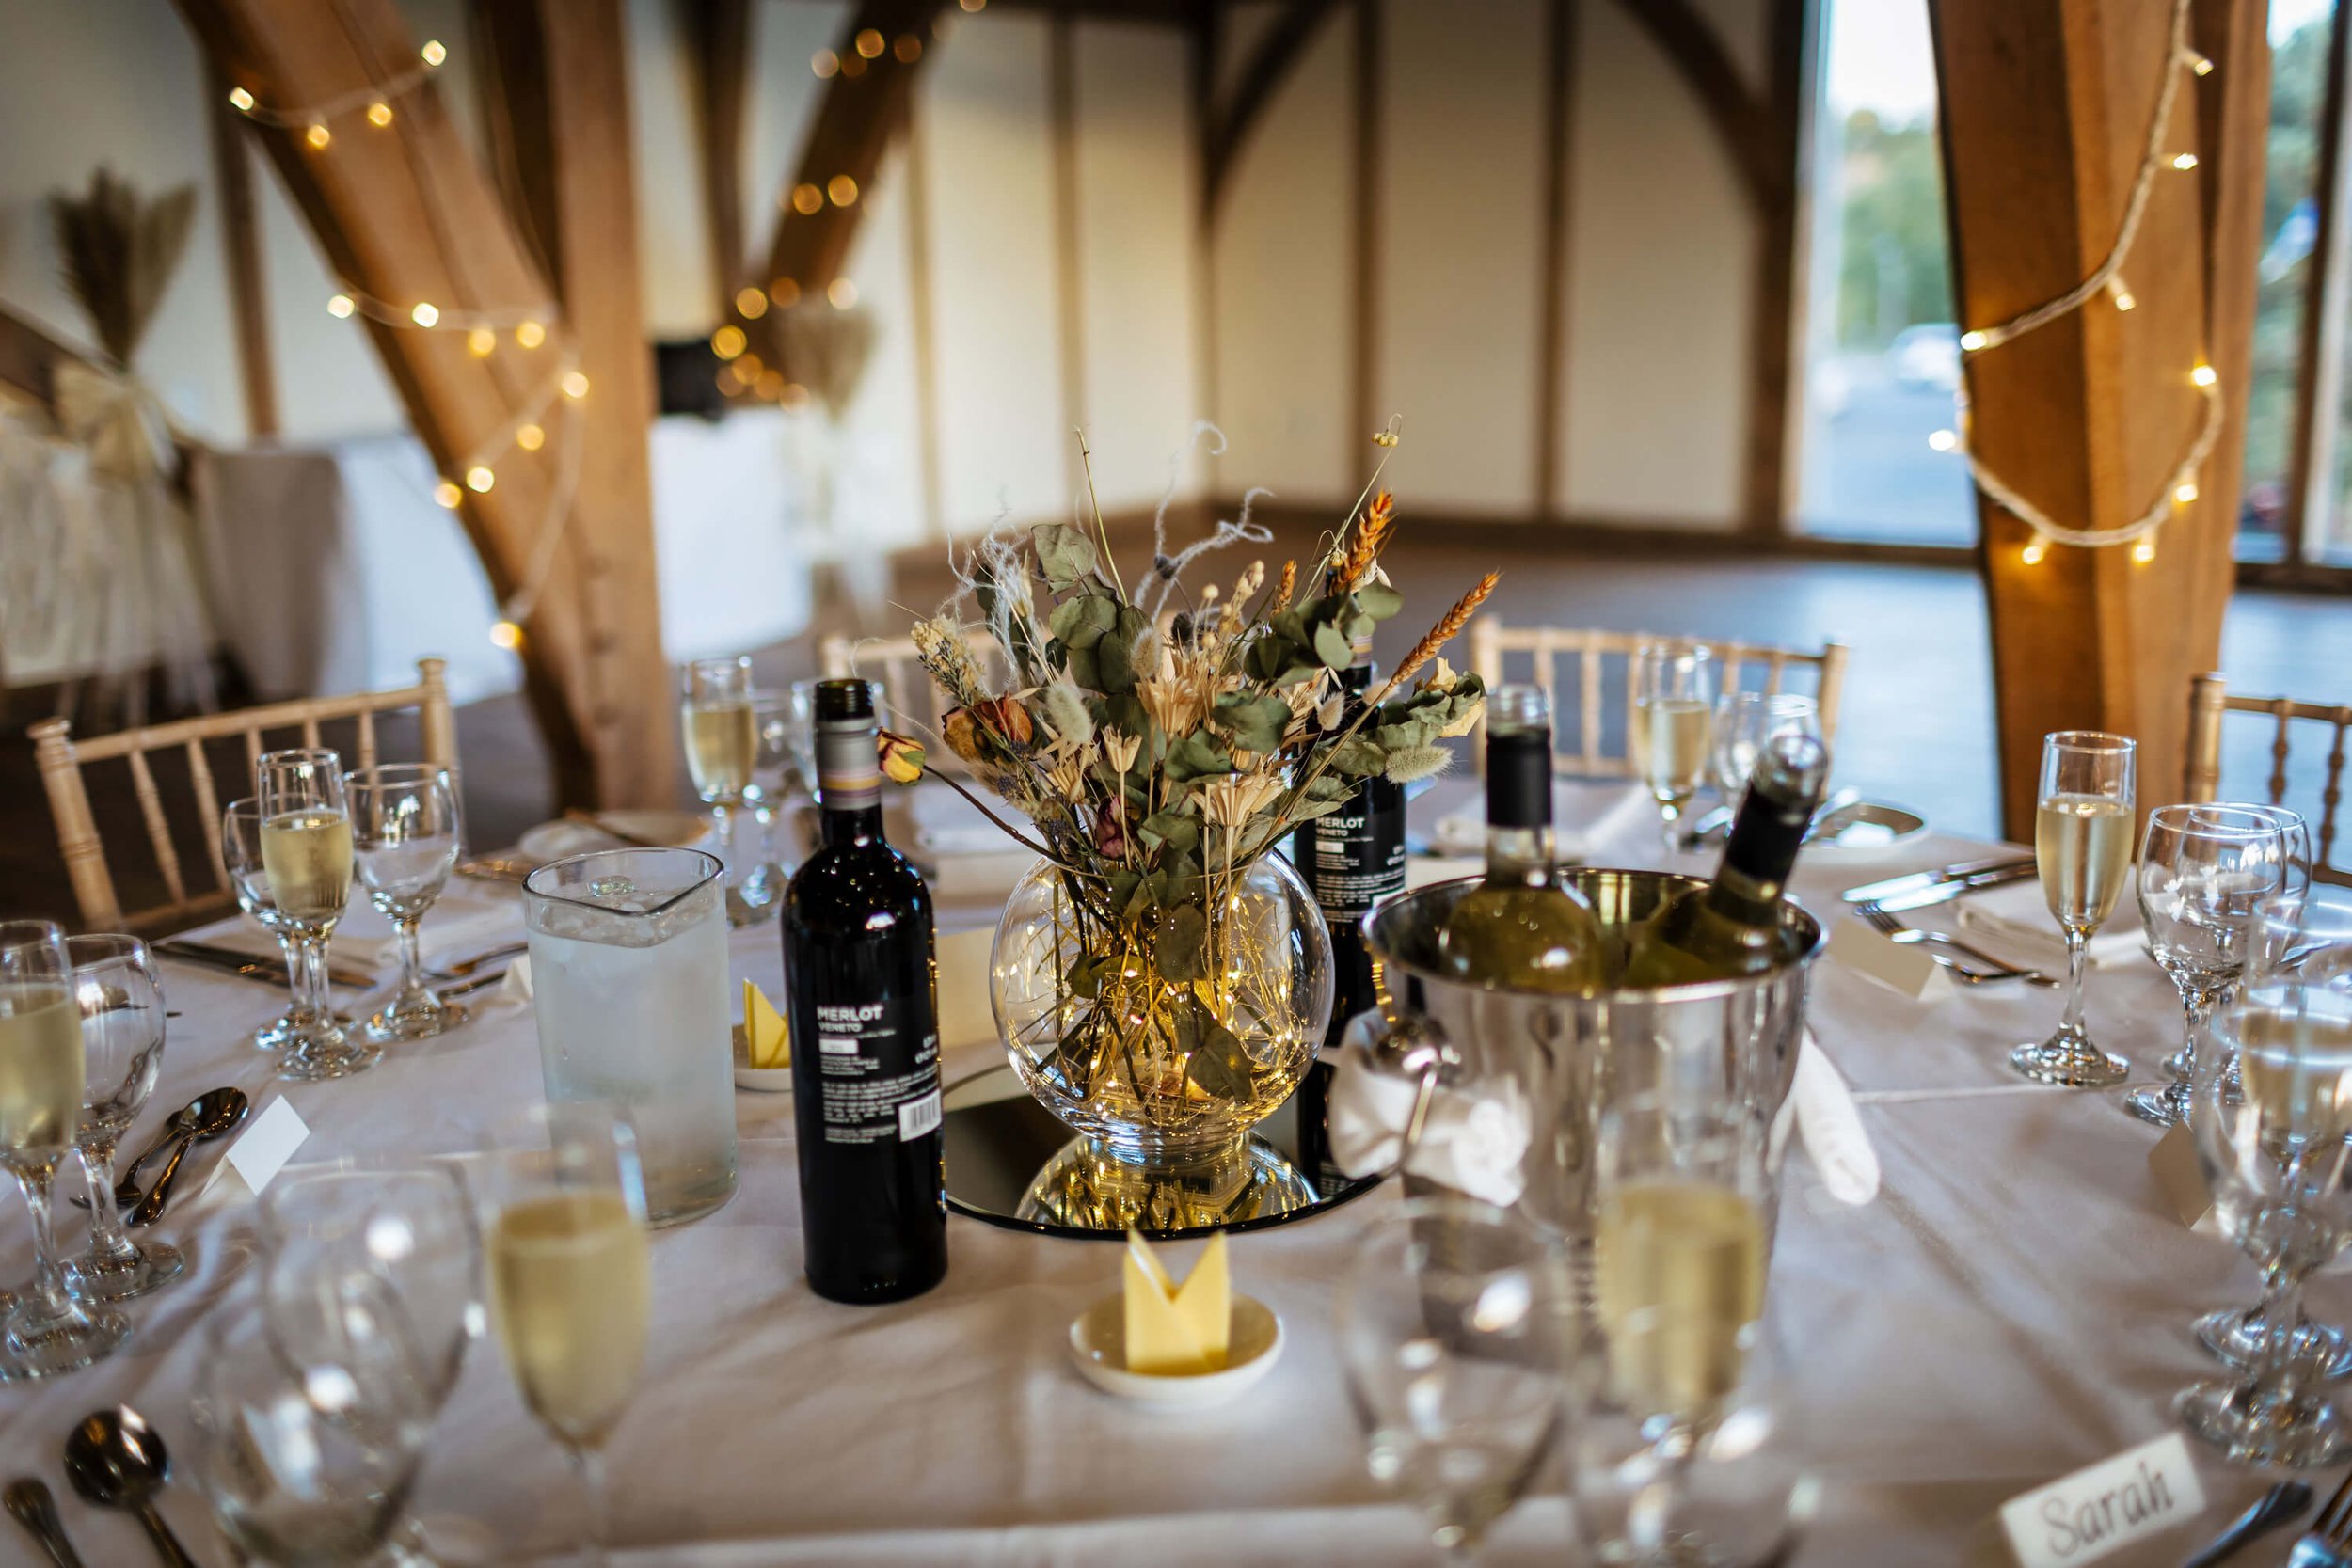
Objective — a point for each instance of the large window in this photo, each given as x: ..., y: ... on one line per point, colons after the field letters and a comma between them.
x: 1881, y: 354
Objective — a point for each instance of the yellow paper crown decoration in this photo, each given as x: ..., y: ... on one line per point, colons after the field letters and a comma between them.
x: 1177, y: 1330
x: 766, y: 1042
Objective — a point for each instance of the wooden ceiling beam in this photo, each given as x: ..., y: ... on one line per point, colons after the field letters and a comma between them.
x: 720, y: 33
x: 1279, y: 52
x: 1743, y: 118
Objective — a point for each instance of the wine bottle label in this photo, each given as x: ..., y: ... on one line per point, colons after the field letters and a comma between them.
x: 877, y: 1071
x: 849, y: 774
x: 1358, y: 857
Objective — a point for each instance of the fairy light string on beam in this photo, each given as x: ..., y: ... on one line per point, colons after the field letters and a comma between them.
x: 2180, y: 488
x: 372, y: 102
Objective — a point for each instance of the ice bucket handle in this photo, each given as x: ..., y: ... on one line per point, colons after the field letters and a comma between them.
x: 1414, y: 1048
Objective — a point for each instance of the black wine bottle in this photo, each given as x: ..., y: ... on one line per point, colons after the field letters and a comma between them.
x: 1351, y: 859
x: 1524, y: 926
x: 859, y: 979
x: 1732, y: 926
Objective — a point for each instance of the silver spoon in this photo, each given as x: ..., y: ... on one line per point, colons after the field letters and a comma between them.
x: 115, y: 1460
x: 127, y: 1190
x: 217, y: 1112
x: 30, y: 1505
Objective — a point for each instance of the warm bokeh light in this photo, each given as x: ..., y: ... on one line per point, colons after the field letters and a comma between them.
x: 482, y: 341
x: 433, y: 52
x: 852, y: 66
x: 826, y: 63
x: 2184, y: 162
x: 842, y: 293
x: 318, y: 135
x: 750, y: 368
x: 506, y: 634
x: 2123, y: 300
x: 379, y: 114
x: 425, y: 314
x: 2031, y: 555
x: 241, y: 101
x: 531, y: 437
x: 908, y: 49
x: 340, y: 306
x: 770, y: 384
x: 793, y: 395
x: 1971, y: 342
x: 842, y: 189
x: 786, y: 292
x: 479, y: 479
x: 972, y: 4
x: 2203, y: 375
x: 1943, y: 440
x: 870, y: 43
x: 751, y: 304
x: 807, y: 199
x: 727, y: 341
x: 448, y: 495
x: 531, y: 335
x: 576, y: 384
x: 2144, y: 551
x: 2184, y: 493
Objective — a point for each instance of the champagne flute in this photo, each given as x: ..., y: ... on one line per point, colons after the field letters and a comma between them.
x: 241, y: 852
x: 2083, y: 850
x: 721, y: 747
x: 47, y: 1330
x: 404, y: 842
x: 306, y: 853
x: 2277, y: 1159
x: 120, y: 1001
x: 571, y: 1285
x: 2205, y: 873
x: 1453, y: 1328
x: 1674, y: 700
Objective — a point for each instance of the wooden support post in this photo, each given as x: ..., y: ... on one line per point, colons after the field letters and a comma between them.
x: 404, y: 214
x: 721, y: 33
x: 2046, y: 106
x: 249, y: 282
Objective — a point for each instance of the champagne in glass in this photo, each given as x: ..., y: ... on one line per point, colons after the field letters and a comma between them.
x: 306, y: 855
x: 1679, y: 1270
x: 1671, y: 730
x: 41, y: 1065
x: 722, y: 727
x: 2082, y: 848
x: 571, y: 1283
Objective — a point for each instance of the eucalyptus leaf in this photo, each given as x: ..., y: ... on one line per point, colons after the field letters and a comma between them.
x: 1359, y: 756
x: 1196, y: 756
x: 1256, y: 722
x: 1219, y: 1064
x: 1332, y: 647
x: 1170, y: 827
x: 1181, y: 951
x: 1379, y: 600
x: 1065, y: 553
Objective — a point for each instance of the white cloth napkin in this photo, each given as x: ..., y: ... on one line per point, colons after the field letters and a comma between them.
x: 1580, y: 831
x: 1472, y: 1142
x: 1822, y: 1107
x: 2015, y: 923
x: 465, y: 919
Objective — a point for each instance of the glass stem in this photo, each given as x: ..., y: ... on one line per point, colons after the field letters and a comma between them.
x: 2195, y: 1012
x: 595, y: 1525
x: 108, y: 1240
x: 411, y: 955
x: 2274, y: 1374
x: 2077, y: 962
x: 49, y: 1292
x: 312, y: 998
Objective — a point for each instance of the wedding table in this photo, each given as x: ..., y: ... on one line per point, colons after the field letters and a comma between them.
x: 2014, y: 1306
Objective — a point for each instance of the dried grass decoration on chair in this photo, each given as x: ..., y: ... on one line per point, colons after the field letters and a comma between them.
x: 1160, y: 977
x: 108, y: 535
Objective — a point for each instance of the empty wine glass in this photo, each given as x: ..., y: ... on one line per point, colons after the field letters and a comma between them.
x: 122, y: 1004
x: 47, y: 1330
x: 1745, y: 721
x: 1672, y: 723
x: 2205, y: 871
x: 1682, y: 1444
x: 377, y: 1258
x: 2083, y: 850
x: 305, y: 852
x: 722, y: 746
x: 404, y: 840
x: 310, y: 1429
x: 784, y: 721
x: 1454, y: 1330
x: 571, y: 1287
x: 2277, y: 1158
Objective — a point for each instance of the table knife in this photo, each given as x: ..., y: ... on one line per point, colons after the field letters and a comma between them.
x: 1879, y: 892
x: 1938, y: 893
x: 253, y: 965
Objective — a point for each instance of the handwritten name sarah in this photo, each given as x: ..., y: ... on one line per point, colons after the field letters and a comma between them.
x: 2077, y: 1523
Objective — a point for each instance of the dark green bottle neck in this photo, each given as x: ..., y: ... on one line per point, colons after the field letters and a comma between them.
x: 858, y: 825
x: 1761, y: 852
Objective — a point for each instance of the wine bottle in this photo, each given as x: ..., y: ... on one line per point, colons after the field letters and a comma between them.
x: 1524, y: 926
x: 1351, y: 859
x: 860, y: 977
x: 1732, y: 926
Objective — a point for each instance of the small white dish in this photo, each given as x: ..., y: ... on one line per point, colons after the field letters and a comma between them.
x: 568, y: 836
x: 764, y: 1080
x: 1098, y: 1343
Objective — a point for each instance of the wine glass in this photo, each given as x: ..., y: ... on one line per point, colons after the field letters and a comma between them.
x: 381, y: 1259
x: 1453, y: 1328
x: 310, y: 1429
x: 2277, y: 1159
x: 722, y: 746
x: 2205, y: 871
x: 1681, y: 1432
x: 122, y: 1004
x: 1745, y: 721
x: 47, y: 1330
x: 1674, y: 700
x: 404, y: 842
x: 2083, y: 850
x: 306, y: 853
x: 241, y: 853
x: 785, y: 722
x: 571, y: 1286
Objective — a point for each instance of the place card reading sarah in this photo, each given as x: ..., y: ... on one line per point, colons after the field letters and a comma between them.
x: 1900, y: 967
x: 2105, y: 1507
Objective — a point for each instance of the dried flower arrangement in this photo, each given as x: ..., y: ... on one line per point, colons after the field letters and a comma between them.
x: 1160, y: 743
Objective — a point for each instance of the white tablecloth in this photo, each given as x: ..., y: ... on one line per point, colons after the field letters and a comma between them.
x: 2015, y: 1306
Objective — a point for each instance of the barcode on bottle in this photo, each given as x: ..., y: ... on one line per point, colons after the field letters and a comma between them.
x: 918, y: 1117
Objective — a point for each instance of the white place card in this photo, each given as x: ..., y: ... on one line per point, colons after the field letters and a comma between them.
x: 1907, y: 968
x: 2181, y: 1181
x: 261, y: 1151
x: 2101, y: 1509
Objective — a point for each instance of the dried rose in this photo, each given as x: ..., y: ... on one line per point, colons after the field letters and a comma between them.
x: 1110, y: 838
x: 1008, y: 719
x: 902, y: 756
x: 962, y: 734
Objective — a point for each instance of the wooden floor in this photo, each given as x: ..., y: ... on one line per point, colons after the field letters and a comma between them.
x: 1916, y: 730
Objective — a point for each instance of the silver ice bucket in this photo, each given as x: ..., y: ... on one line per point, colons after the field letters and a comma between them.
x: 1566, y: 1058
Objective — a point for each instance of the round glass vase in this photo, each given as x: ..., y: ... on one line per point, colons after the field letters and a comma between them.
x: 1165, y: 1033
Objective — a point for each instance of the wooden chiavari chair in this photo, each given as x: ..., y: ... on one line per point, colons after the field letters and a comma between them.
x: 1581, y: 701
x: 2210, y: 700
x: 64, y: 760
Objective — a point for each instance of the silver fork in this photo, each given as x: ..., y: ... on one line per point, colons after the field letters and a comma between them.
x: 2326, y: 1544
x: 464, y: 966
x: 1995, y: 969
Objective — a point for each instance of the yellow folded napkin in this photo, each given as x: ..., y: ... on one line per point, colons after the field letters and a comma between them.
x: 1177, y: 1330
x: 767, y: 1041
